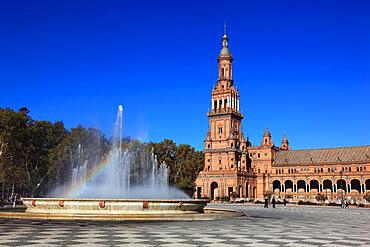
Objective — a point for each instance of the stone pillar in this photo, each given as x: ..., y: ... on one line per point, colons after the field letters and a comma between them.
x: 332, y: 188
x: 349, y: 188
x: 361, y: 188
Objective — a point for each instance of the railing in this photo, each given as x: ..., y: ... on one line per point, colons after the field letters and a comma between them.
x: 226, y: 110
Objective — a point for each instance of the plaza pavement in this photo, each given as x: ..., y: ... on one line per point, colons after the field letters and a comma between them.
x: 283, y: 226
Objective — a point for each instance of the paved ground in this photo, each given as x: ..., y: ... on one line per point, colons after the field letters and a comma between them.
x: 283, y: 226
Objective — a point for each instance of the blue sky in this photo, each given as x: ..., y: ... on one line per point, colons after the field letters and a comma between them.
x: 302, y: 67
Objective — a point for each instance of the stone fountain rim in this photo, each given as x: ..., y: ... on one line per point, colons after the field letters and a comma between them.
x: 116, y: 199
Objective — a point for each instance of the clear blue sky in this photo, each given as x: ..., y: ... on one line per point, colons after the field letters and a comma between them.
x: 302, y: 67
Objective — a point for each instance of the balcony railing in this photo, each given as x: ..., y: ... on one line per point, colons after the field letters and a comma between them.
x: 225, y: 110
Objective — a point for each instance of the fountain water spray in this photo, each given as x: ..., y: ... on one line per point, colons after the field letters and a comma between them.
x: 124, y: 173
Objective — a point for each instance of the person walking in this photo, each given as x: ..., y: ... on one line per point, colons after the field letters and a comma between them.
x: 273, y: 202
x: 266, y: 202
x: 284, y: 201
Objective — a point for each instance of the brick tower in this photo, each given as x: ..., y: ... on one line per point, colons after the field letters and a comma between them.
x: 227, y: 167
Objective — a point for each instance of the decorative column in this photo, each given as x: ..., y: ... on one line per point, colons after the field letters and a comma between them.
x: 332, y: 188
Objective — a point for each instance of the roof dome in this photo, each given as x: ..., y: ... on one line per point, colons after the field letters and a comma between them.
x: 225, y: 53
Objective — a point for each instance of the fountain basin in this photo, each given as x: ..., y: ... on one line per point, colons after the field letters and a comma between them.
x: 113, y: 206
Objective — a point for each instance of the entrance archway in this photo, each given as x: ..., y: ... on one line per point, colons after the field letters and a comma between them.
x: 328, y: 185
x: 355, y: 186
x: 276, y: 185
x: 301, y: 186
x: 247, y: 190
x: 367, y: 185
x: 342, y: 186
x: 288, y: 186
x: 314, y: 186
x: 214, y: 190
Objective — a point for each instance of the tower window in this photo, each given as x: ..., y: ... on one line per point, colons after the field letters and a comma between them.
x: 265, y: 141
x: 222, y: 72
x: 219, y: 161
x: 225, y: 103
x: 220, y: 130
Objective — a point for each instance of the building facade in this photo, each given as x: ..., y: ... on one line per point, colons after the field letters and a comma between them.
x: 234, y: 166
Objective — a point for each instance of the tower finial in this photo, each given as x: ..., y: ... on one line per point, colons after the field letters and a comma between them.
x: 225, y: 27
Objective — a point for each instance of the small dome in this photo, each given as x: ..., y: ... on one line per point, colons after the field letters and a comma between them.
x: 267, y: 133
x: 225, y: 53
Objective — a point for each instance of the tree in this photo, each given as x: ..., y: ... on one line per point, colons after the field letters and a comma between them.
x: 77, y: 146
x: 43, y: 136
x: 13, y: 139
x: 184, y: 163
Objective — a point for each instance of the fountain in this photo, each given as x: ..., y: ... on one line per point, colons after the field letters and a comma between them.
x: 116, y: 186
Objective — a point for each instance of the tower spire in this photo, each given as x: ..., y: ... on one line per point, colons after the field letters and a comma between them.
x: 225, y: 53
x: 225, y: 28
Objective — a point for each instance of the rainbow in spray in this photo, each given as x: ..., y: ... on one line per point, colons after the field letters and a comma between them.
x: 123, y: 173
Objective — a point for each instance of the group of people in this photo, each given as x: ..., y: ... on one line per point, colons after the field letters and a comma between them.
x: 11, y: 199
x: 273, y: 202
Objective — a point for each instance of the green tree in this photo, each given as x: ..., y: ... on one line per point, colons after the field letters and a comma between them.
x: 43, y: 136
x: 13, y: 138
x: 77, y: 146
x: 184, y: 163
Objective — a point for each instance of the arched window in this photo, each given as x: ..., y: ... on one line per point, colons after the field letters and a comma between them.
x: 220, y: 103
x: 222, y: 73
x: 215, y: 104
x: 225, y: 103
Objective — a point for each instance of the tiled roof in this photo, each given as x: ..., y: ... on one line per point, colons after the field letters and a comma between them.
x: 324, y: 155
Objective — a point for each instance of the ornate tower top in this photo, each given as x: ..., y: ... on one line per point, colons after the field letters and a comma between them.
x: 285, y: 143
x: 225, y: 53
x: 267, y: 139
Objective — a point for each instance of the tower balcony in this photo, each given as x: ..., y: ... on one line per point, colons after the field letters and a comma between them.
x: 222, y: 150
x: 224, y: 111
